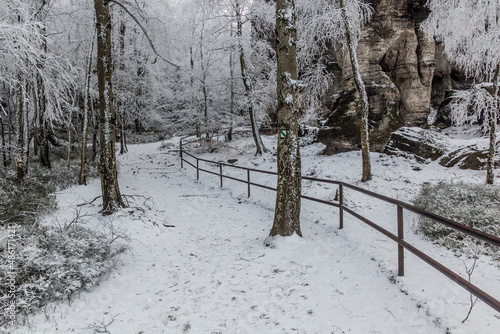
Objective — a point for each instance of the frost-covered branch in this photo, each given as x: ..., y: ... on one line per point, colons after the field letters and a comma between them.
x: 473, y: 106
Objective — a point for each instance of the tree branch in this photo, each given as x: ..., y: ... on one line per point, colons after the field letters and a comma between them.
x: 145, y: 33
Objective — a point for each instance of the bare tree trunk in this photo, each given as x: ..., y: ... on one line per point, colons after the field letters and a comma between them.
x: 231, y: 98
x: 351, y: 42
x: 20, y: 160
x: 35, y: 124
x: 204, y: 90
x: 70, y: 137
x: 121, y: 107
x: 288, y: 194
x: 42, y: 111
x: 95, y: 130
x: 247, y: 82
x: 4, y: 146
x: 82, y: 178
x: 111, y: 196
x: 10, y: 125
x: 231, y: 92
x: 191, y: 62
x: 490, y: 167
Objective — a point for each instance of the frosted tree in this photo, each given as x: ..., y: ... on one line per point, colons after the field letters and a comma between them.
x: 323, y: 23
x: 42, y: 81
x: 247, y: 80
x: 350, y: 40
x: 470, y: 31
x: 288, y: 193
x: 20, y: 35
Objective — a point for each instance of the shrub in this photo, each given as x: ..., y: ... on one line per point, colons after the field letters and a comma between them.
x: 474, y: 205
x: 44, y: 264
x: 23, y: 201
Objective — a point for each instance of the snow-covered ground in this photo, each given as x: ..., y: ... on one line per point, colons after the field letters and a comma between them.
x: 199, y: 265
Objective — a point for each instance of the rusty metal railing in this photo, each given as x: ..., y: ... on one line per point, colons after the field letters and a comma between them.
x: 401, y: 206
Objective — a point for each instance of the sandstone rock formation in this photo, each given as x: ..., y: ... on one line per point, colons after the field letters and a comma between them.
x: 420, y: 143
x: 397, y: 63
x: 426, y: 145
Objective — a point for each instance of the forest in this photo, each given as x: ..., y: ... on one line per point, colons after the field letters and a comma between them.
x: 182, y: 166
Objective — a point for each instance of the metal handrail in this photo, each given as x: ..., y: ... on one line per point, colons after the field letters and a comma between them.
x: 399, y: 238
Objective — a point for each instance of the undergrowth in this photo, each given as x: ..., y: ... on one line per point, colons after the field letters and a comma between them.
x: 41, y: 264
x: 44, y: 260
x: 474, y: 205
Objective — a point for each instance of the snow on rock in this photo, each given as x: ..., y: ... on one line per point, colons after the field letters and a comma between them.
x: 213, y: 273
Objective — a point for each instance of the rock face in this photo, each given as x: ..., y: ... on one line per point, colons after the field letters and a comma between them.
x: 397, y: 63
x: 468, y: 157
x: 420, y: 143
x: 426, y: 145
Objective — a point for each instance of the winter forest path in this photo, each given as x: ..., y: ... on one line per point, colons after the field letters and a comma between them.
x: 212, y: 273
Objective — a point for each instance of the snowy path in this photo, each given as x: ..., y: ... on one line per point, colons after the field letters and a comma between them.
x: 212, y: 273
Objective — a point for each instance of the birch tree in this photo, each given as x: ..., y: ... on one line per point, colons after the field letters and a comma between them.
x: 470, y: 31
x: 247, y: 80
x: 350, y: 40
x: 324, y: 23
x: 288, y: 194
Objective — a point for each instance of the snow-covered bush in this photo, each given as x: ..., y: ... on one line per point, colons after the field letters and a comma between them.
x: 49, y: 263
x: 474, y: 205
x: 24, y: 201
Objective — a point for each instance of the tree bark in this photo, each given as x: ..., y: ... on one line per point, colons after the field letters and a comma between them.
x: 351, y: 43
x: 197, y: 116
x: 4, y: 146
x: 231, y: 93
x: 111, y: 196
x: 490, y: 165
x: 288, y: 194
x: 82, y: 178
x: 120, y: 104
x: 20, y: 154
x: 204, y: 89
x: 247, y: 82
x: 70, y: 137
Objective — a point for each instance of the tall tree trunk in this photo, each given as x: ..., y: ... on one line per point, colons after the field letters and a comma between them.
x: 247, y: 82
x: 490, y: 167
x: 4, y: 146
x: 20, y: 153
x: 36, y: 142
x: 42, y: 112
x: 95, y: 130
x: 191, y: 61
x: 82, y: 178
x: 204, y: 91
x: 121, y: 106
x: 288, y: 194
x: 351, y: 42
x: 70, y: 137
x: 231, y: 91
x: 231, y: 97
x: 10, y: 126
x: 111, y: 196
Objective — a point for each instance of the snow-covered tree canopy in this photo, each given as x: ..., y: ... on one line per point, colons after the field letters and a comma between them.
x: 473, y: 106
x: 470, y: 31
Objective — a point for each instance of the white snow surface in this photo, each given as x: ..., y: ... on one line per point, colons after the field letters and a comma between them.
x: 211, y: 273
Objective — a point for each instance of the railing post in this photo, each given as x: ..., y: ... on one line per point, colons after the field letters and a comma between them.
x: 401, y: 249
x: 197, y: 169
x: 220, y: 168
x: 248, y: 182
x: 341, y: 208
